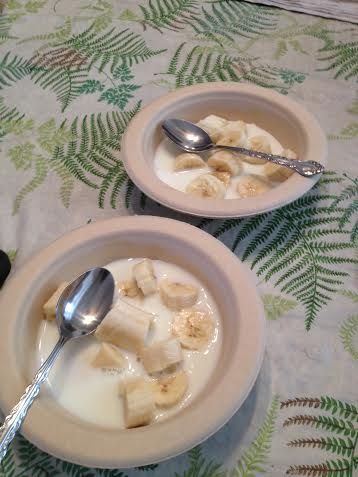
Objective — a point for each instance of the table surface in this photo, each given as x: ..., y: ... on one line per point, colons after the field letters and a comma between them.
x: 72, y: 74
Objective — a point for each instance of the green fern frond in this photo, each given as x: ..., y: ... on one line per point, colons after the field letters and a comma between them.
x: 112, y: 47
x: 335, y: 406
x: 255, y: 457
x: 65, y: 83
x: 67, y: 182
x: 299, y: 245
x: 336, y: 445
x: 331, y: 424
x: 167, y: 14
x: 348, y: 331
x: 8, y: 464
x: 7, y: 114
x: 198, y: 466
x: 343, y: 58
x: 129, y: 193
x: 348, y: 132
x: 227, y: 20
x: 344, y: 425
x: 60, y: 33
x: 198, y: 66
x: 91, y: 155
x: 276, y: 306
x: 13, y: 68
x: 144, y: 468
x: 329, y: 177
x: 350, y: 294
x: 41, y: 170
x: 281, y: 49
x: 104, y: 473
x: 339, y: 468
x: 349, y: 193
x: 11, y: 120
x: 5, y: 27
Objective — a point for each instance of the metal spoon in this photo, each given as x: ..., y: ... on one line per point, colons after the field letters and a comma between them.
x: 192, y: 138
x: 81, y: 308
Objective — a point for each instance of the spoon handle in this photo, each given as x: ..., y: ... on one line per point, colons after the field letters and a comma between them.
x: 305, y: 168
x: 18, y: 413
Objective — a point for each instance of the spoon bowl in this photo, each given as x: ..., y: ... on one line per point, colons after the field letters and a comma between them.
x: 81, y: 308
x: 84, y: 303
x: 187, y: 135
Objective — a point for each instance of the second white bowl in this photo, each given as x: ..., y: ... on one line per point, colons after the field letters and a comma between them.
x: 286, y: 120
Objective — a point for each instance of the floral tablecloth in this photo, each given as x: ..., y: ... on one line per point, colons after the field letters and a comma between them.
x: 73, y: 74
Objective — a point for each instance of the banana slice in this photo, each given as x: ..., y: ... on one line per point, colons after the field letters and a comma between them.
x: 257, y: 143
x: 206, y: 186
x: 49, y: 308
x: 250, y: 186
x: 177, y: 295
x: 213, y: 125
x: 108, y: 356
x: 279, y: 173
x: 138, y: 402
x: 125, y: 326
x: 170, y: 390
x: 225, y: 161
x: 161, y: 355
x: 129, y: 288
x: 235, y: 126
x: 188, y: 161
x: 224, y: 177
x: 194, y: 328
x: 234, y: 138
x: 144, y: 275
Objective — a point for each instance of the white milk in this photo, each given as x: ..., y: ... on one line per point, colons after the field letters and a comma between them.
x: 93, y: 394
x: 166, y: 153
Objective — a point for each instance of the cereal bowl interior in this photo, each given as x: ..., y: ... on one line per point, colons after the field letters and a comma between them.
x: 149, y: 158
x: 77, y: 427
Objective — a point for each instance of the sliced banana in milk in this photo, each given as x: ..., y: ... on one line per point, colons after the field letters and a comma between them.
x: 161, y: 355
x: 129, y: 288
x: 188, y: 161
x: 125, y: 326
x: 138, y: 402
x: 225, y: 161
x: 170, y: 390
x: 109, y: 356
x: 176, y: 295
x: 144, y: 275
x: 49, y: 308
x: 224, y: 177
x: 213, y: 125
x: 206, y: 186
x: 194, y: 328
x: 251, y: 186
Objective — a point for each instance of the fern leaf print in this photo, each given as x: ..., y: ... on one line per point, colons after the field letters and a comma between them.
x: 163, y: 15
x: 301, y: 247
x: 340, y: 422
x: 194, y: 66
x: 225, y: 20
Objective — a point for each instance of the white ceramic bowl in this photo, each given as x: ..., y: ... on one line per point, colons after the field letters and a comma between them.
x: 285, y: 119
x: 51, y: 427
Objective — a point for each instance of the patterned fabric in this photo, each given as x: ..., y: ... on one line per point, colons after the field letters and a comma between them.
x: 73, y: 74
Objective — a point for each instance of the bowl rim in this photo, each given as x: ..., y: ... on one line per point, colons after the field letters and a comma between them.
x: 144, y: 177
x: 95, y: 447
